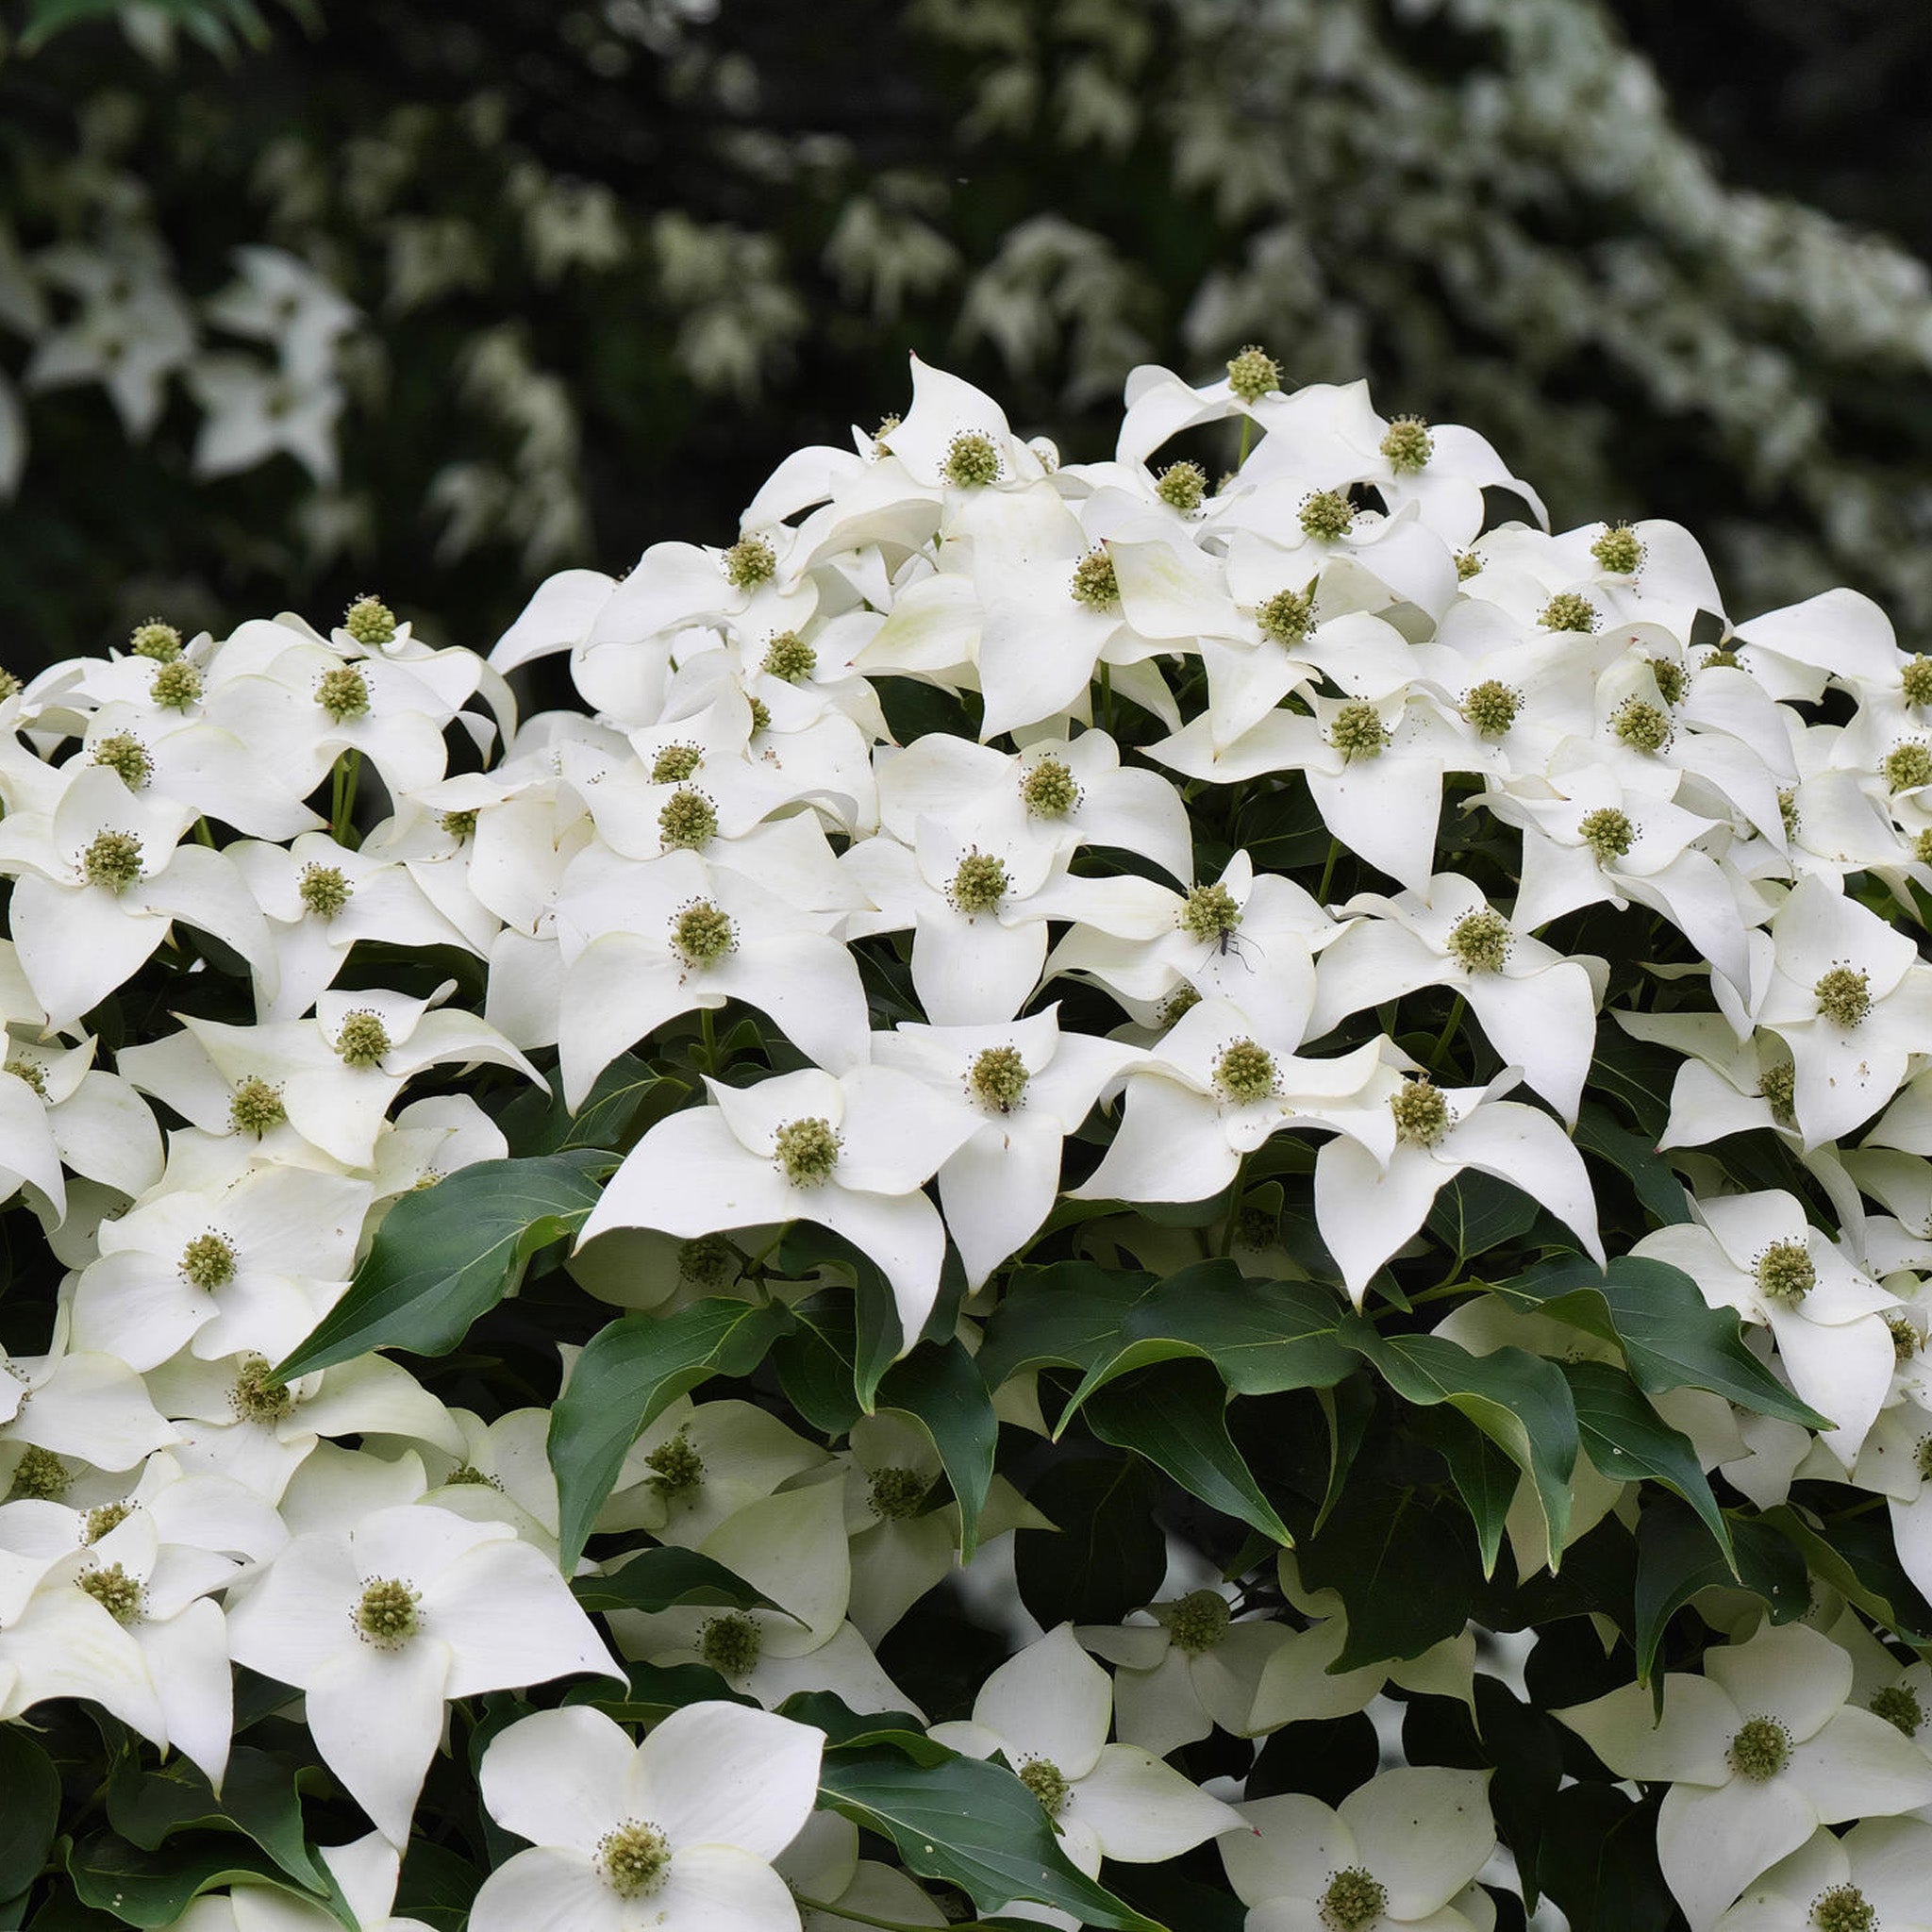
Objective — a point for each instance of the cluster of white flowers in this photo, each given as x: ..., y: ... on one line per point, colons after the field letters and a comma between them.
x: 1341, y: 628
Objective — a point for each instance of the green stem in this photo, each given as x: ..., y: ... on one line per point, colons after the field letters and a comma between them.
x: 342, y: 808
x: 1234, y: 1212
x: 1328, y: 871
x: 1107, y: 698
x: 710, y: 1039
x: 1247, y: 430
x: 1447, y: 1034
x: 203, y: 835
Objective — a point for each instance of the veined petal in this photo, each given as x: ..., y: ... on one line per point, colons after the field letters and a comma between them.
x: 377, y: 1716
x: 721, y: 1775
x: 1366, y: 1211
x: 691, y: 1175
x: 558, y: 1777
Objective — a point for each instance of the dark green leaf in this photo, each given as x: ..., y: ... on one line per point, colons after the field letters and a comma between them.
x: 1347, y: 1409
x: 140, y: 1888
x: 659, y: 1579
x: 1517, y: 1400
x: 878, y: 1339
x: 436, y: 1886
x: 1406, y: 1576
x: 1477, y: 1212
x: 654, y: 1690
x: 1655, y: 1180
x: 446, y: 1255
x: 1177, y: 1417
x: 1676, y: 1557
x: 817, y: 1363
x: 1109, y: 1555
x: 1856, y: 1556
x: 970, y: 1824
x: 1629, y: 1441
x: 536, y: 1122
x: 1485, y: 1478
x: 940, y: 1387
x: 1597, y: 1860
x: 1671, y: 1336
x: 628, y: 1374
x: 847, y: 1729
x: 30, y: 1809
x: 1262, y: 1337
x: 258, y: 1797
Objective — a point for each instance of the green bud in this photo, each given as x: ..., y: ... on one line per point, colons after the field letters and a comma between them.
x: 731, y: 1645
x: 675, y: 763
x: 1209, y: 912
x: 972, y: 462
x: 1252, y: 374
x: 1245, y: 1072
x: 1421, y: 1110
x: 1569, y: 610
x: 677, y: 1468
x: 32, y: 1073
x: 707, y: 1261
x: 40, y: 1475
x: 1182, y: 487
x: 387, y: 1616
x: 120, y: 1595
x: 1048, y: 790
x: 1608, y: 832
x: 1095, y: 583
x: 113, y: 859
x: 1287, y: 616
x: 260, y: 1395
x: 155, y: 639
x: 1844, y: 996
x: 1468, y: 564
x: 460, y: 825
x: 363, y: 1040
x: 175, y: 685
x: 1908, y: 766
x: 1915, y: 680
x: 1048, y: 1783
x: 1354, y: 1901
x: 634, y: 1859
x: 1327, y: 516
x: 1619, y: 550
x: 1786, y: 1273
x: 370, y: 621
x: 1491, y: 707
x: 1641, y: 725
x: 343, y: 694
x: 1356, y: 730
x: 998, y: 1078
x: 806, y: 1151
x: 127, y: 757
x: 1479, y: 941
x: 1760, y: 1750
x: 103, y: 1518
x: 1198, y: 1621
x: 688, y: 821
x: 1777, y: 1086
x: 257, y: 1106
x: 702, y: 934
x: 897, y: 1494
x: 750, y: 563
x: 1899, y: 1706
x: 325, y: 890
x: 1408, y: 444
x: 788, y: 658
x: 207, y: 1261
x: 1843, y: 1908
x: 979, y: 884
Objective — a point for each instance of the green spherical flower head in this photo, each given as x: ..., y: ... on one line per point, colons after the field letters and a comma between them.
x: 702, y: 934
x: 1608, y: 832
x: 1569, y: 610
x: 1722, y: 659
x: 32, y: 1073
x: 898, y: 1493
x: 40, y: 1475
x: 688, y: 820
x: 1182, y: 487
x: 1479, y: 941
x: 675, y: 763
x: 707, y: 1261
x: 1915, y: 680
x: 1049, y: 790
x: 1468, y: 564
x: 1641, y: 726
x: 1907, y: 766
x: 731, y: 1644
x: 207, y: 1262
x: 1423, y: 1114
x: 972, y: 461
x: 1356, y: 730
x: 103, y: 1518
x: 749, y: 562
x: 1245, y: 1072
x: 257, y: 1106
x: 1252, y: 374
x: 887, y: 423
x: 1672, y: 679
x: 677, y: 1468
x: 460, y: 825
x: 363, y: 1040
x: 1048, y: 1783
x: 806, y: 1151
x: 1408, y: 444
x: 325, y: 890
x: 1094, y: 582
x: 1255, y: 1228
x: 113, y: 859
x: 788, y: 658
x: 1922, y: 1456
x: 1843, y: 1908
x: 1906, y: 1340
x: 175, y: 685
x: 118, y: 1593
x: 1491, y: 707
x: 370, y: 621
x: 1354, y: 1901
x: 387, y: 1615
x: 998, y: 1078
x: 9, y: 686
x: 1777, y: 1086
x: 1844, y: 996
x: 155, y: 639
x: 1183, y: 999
x: 1899, y: 1706
x: 1199, y: 1622
x: 260, y: 1395
x: 1327, y: 516
x: 466, y: 1476
x: 634, y: 1859
x: 760, y: 716
x: 1785, y: 1272
x: 1209, y: 912
x: 1922, y: 848
x: 1618, y: 550
x: 127, y: 757
x: 343, y: 694
x: 1787, y: 813
x: 979, y: 884
x: 1287, y: 616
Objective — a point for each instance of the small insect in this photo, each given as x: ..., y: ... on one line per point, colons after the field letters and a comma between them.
x: 1230, y: 945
